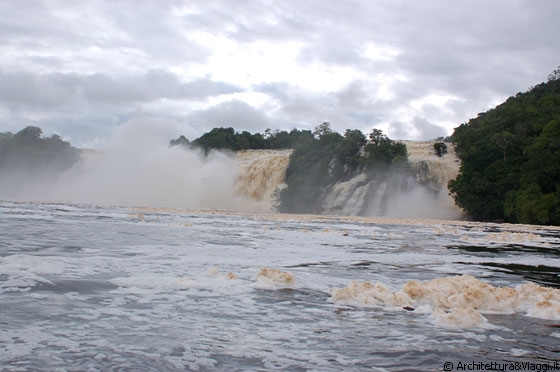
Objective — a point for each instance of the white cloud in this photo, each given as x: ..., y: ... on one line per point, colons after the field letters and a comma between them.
x: 380, y: 52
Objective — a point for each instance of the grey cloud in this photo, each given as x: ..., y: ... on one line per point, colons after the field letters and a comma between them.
x: 252, y: 20
x: 427, y: 130
x: 334, y: 49
x: 446, y: 47
x: 353, y: 107
x: 62, y: 60
x: 355, y: 96
x: 23, y: 89
x: 397, y: 130
x: 459, y: 49
x: 236, y: 114
x: 320, y: 25
x: 86, y: 108
x: 141, y: 34
x: 419, y: 129
x: 25, y: 20
x: 162, y: 84
x: 152, y: 28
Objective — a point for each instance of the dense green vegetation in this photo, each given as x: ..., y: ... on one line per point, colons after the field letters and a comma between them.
x: 28, y: 151
x: 228, y: 139
x: 510, y: 159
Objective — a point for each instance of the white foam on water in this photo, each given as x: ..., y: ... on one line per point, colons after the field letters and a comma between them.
x: 530, y: 239
x: 22, y: 263
x: 274, y: 279
x: 539, y: 302
x: 213, y: 271
x: 158, y: 282
x: 369, y: 295
x: 25, y: 272
x: 20, y: 284
x: 462, y: 291
x: 518, y: 352
x: 460, y: 317
x: 457, y: 302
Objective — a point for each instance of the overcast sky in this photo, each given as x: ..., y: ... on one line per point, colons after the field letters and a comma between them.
x: 415, y: 69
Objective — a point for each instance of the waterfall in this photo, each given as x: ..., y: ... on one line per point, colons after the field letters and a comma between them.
x: 435, y: 172
x: 429, y: 168
x: 261, y: 173
x: 423, y: 194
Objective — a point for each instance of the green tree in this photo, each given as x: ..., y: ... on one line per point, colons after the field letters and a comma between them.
x: 323, y: 129
x: 377, y: 137
x: 554, y: 75
x: 217, y: 138
x: 510, y: 159
x: 28, y: 153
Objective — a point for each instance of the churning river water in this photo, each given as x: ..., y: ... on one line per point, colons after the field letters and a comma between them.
x: 85, y: 288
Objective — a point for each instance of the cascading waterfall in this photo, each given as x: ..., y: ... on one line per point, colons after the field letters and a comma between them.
x: 422, y: 195
x: 429, y: 168
x: 261, y: 173
x: 425, y: 195
x: 435, y: 172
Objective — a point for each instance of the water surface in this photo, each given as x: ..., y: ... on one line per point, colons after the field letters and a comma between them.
x: 107, y: 288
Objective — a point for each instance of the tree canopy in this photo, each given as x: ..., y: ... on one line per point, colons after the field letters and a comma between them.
x: 228, y: 139
x: 510, y: 159
x: 27, y: 150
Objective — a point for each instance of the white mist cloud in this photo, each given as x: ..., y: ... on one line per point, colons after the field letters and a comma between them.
x: 159, y: 177
x: 401, y: 196
x: 421, y: 203
x: 139, y: 169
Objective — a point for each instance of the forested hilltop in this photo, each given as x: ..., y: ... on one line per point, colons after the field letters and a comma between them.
x: 28, y: 152
x: 510, y: 159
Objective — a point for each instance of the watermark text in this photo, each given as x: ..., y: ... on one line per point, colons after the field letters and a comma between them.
x: 501, y: 366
